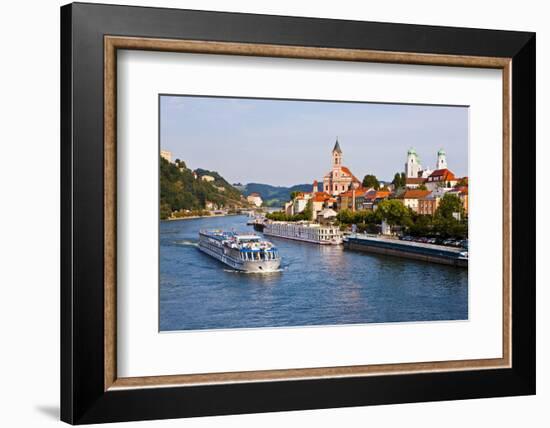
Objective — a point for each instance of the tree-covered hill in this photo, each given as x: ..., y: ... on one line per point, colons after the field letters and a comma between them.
x: 180, y: 190
x: 274, y: 195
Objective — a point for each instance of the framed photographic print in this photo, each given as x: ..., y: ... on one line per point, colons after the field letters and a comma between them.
x: 266, y: 213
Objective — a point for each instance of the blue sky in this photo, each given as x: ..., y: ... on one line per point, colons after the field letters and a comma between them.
x: 282, y: 142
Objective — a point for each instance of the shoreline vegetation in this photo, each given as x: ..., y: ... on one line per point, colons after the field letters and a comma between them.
x: 184, y: 192
x: 205, y: 214
x: 443, y: 224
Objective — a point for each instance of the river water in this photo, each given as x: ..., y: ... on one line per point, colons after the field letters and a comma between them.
x: 317, y: 285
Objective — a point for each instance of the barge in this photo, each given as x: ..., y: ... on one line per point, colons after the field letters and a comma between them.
x: 304, y: 231
x: 411, y: 250
x: 243, y: 252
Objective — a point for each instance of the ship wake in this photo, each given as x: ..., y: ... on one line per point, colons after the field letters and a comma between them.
x: 186, y: 243
x: 265, y: 272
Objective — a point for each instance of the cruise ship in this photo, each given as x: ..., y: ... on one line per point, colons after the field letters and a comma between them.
x: 304, y: 231
x: 243, y: 252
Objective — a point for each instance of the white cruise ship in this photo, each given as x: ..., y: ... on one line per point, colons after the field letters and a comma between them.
x: 246, y: 253
x: 304, y: 231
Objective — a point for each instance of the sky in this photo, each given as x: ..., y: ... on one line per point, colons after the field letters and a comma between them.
x: 287, y: 142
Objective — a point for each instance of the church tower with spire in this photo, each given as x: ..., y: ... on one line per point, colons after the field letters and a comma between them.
x: 339, y: 179
x: 336, y: 155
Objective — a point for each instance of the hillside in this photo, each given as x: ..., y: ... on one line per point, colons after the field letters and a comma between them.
x: 180, y: 190
x: 273, y: 195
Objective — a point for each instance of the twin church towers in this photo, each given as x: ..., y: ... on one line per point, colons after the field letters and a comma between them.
x: 340, y: 179
x: 413, y: 167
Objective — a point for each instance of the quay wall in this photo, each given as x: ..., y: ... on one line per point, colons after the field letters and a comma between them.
x: 409, y: 252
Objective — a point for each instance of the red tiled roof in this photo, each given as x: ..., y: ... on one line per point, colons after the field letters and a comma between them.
x: 321, y: 197
x: 347, y: 171
x: 415, y: 194
x: 461, y: 189
x: 377, y: 194
x: 444, y: 173
x: 415, y: 180
x: 360, y: 191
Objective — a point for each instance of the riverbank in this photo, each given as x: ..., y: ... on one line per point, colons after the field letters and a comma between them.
x: 200, y: 216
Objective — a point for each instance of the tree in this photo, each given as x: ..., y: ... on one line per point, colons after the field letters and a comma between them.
x: 345, y: 216
x: 294, y: 194
x: 422, y: 226
x: 462, y: 182
x: 371, y: 181
x: 422, y: 187
x: 393, y: 212
x: 399, y: 180
x: 448, y: 207
x: 308, y: 210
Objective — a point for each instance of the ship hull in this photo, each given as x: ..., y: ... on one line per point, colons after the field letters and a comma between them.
x: 314, y: 234
x: 301, y: 239
x: 424, y: 252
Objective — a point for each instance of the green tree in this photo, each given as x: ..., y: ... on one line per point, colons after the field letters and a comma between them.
x: 422, y: 226
x: 449, y: 206
x: 393, y: 212
x: 180, y: 191
x: 462, y: 182
x: 308, y: 210
x: 422, y: 187
x: 399, y: 180
x: 294, y: 194
x: 371, y: 181
x: 345, y: 216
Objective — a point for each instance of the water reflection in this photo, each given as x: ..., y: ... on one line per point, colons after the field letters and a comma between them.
x: 317, y: 285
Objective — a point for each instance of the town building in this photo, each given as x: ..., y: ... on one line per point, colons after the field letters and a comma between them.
x: 300, y: 202
x: 255, y: 198
x: 339, y: 179
x: 289, y: 208
x: 319, y: 201
x: 353, y: 199
x: 207, y: 178
x: 165, y: 154
x: 410, y: 198
x: 462, y: 193
x: 441, y: 178
x: 326, y: 215
x: 373, y: 198
x: 414, y: 182
x: 429, y: 204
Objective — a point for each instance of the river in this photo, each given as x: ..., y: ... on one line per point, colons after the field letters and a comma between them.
x: 317, y: 285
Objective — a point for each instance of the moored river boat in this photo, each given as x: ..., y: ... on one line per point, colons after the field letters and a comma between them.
x: 314, y: 233
x: 410, y: 250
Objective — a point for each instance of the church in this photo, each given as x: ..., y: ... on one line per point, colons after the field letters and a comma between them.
x: 339, y: 179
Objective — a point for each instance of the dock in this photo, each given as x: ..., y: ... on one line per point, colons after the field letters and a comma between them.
x: 410, y: 250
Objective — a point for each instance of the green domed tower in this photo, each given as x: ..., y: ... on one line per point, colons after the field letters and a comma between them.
x: 413, y: 166
x: 441, y: 159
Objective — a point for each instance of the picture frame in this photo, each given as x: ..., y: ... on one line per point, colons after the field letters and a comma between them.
x: 91, y: 391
